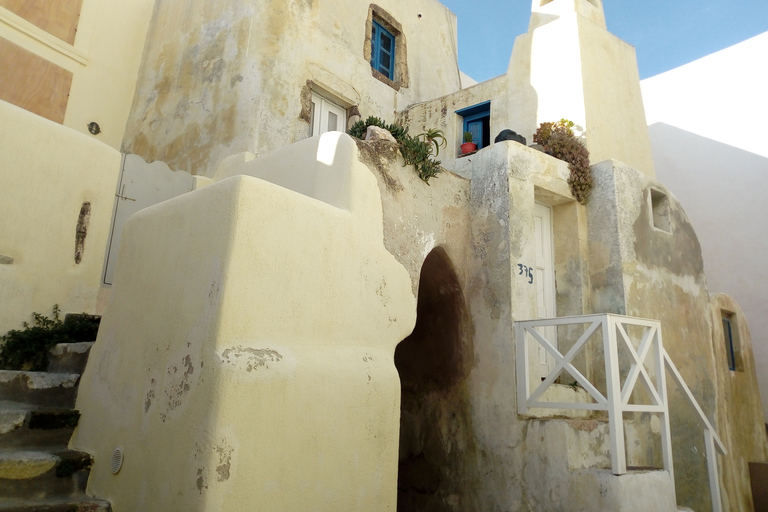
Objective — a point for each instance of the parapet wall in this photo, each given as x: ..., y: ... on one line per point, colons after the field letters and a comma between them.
x: 48, y: 173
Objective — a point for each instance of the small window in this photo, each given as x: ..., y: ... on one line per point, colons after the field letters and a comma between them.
x: 383, y: 50
x: 477, y: 120
x: 660, y: 210
x: 732, y: 342
x: 326, y: 116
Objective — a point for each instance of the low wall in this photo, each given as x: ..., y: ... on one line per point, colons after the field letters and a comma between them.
x: 246, y: 354
x: 48, y: 172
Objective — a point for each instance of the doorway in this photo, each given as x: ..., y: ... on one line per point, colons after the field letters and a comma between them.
x: 433, y: 363
x: 544, y: 279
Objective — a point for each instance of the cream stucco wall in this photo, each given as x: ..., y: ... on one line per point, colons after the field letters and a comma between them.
x: 104, y: 60
x: 739, y: 412
x: 569, y: 66
x: 246, y: 353
x: 48, y: 171
x: 709, y: 147
x: 210, y: 92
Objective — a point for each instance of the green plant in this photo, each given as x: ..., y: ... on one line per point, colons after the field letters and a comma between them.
x: 467, y: 137
x: 27, y: 349
x: 416, y: 151
x: 559, y: 140
x: 432, y: 136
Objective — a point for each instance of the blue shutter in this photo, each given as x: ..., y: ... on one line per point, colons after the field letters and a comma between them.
x: 382, y: 51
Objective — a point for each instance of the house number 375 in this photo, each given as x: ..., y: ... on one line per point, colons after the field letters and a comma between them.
x: 528, y: 271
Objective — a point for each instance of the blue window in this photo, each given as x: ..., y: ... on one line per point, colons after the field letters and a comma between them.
x: 477, y: 120
x: 731, y: 343
x: 383, y: 51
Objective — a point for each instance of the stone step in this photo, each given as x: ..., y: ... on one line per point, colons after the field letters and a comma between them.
x: 33, y: 427
x: 39, y: 388
x: 69, y: 357
x: 35, y: 475
x: 83, y: 504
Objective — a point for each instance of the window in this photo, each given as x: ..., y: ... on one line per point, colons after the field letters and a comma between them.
x: 660, y: 210
x: 385, y: 48
x: 477, y: 120
x: 731, y: 338
x: 382, y: 50
x: 326, y: 116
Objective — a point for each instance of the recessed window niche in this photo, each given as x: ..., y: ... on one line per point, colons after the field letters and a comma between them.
x: 660, y: 210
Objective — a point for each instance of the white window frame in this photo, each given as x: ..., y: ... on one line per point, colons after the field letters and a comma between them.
x: 323, y: 114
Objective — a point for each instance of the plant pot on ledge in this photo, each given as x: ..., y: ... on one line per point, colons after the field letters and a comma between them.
x: 468, y: 145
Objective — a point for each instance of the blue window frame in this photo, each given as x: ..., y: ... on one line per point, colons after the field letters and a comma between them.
x: 383, y: 51
x: 477, y: 120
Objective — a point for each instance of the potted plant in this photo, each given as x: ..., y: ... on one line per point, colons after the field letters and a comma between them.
x: 468, y: 145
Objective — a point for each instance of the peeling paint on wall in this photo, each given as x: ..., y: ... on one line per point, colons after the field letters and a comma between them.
x: 82, y: 231
x: 250, y: 359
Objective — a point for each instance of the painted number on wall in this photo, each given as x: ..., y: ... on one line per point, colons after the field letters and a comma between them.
x: 528, y: 271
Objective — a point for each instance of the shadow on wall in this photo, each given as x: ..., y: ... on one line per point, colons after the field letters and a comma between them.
x: 433, y: 362
x: 723, y: 190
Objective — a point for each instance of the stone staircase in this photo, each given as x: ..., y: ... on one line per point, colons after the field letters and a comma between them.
x: 38, y: 472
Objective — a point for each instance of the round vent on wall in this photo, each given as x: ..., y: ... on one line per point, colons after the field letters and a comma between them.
x: 117, y: 460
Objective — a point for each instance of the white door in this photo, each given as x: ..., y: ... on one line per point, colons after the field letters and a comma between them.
x: 141, y: 185
x: 326, y: 116
x: 544, y: 280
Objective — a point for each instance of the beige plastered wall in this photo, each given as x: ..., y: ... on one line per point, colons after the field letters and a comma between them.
x: 246, y: 355
x: 569, y: 66
x: 104, y: 60
x: 441, y: 114
x: 48, y: 171
x: 238, y: 75
x: 739, y: 412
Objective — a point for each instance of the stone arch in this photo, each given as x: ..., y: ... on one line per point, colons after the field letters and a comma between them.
x: 434, y: 362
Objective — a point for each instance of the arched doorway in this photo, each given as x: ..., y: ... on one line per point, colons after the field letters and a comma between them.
x: 433, y: 362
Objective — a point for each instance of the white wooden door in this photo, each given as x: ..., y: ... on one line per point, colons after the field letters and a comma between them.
x: 141, y: 185
x: 326, y: 116
x: 544, y: 280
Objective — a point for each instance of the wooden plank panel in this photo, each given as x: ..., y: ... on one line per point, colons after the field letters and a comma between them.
x: 57, y: 17
x: 33, y: 83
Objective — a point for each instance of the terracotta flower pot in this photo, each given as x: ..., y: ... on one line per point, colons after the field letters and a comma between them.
x: 468, y: 147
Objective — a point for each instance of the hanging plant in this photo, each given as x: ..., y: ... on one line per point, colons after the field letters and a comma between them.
x: 416, y: 151
x: 559, y: 140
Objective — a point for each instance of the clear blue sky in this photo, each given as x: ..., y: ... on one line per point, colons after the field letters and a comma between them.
x: 665, y: 33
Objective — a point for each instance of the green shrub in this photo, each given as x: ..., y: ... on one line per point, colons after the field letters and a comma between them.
x: 416, y: 151
x: 27, y: 349
x: 559, y: 140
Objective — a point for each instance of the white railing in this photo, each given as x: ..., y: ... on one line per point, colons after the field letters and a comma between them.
x: 614, y: 330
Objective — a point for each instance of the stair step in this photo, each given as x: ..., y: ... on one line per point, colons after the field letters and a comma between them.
x: 33, y: 427
x: 39, y: 388
x: 41, y: 474
x: 83, y: 504
x: 69, y: 357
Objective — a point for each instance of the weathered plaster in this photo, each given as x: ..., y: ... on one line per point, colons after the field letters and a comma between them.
x: 232, y: 80
x: 646, y: 272
x: 739, y: 415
